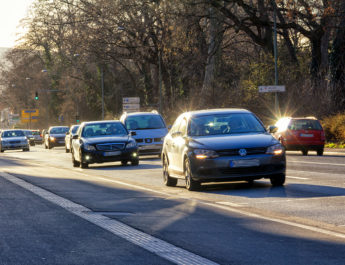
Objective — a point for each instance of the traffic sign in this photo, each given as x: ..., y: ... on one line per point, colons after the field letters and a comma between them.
x: 131, y: 100
x: 26, y: 113
x: 131, y: 107
x: 268, y: 89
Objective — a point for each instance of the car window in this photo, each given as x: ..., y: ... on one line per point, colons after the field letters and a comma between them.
x: 103, y: 129
x: 35, y: 133
x: 74, y: 129
x: 59, y: 130
x: 305, y: 125
x: 12, y: 134
x: 224, y: 124
x: 144, y: 122
x: 176, y: 124
x: 183, y: 127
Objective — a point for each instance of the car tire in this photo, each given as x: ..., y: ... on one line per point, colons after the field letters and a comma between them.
x: 278, y: 180
x: 82, y: 163
x: 2, y: 150
x: 124, y: 162
x: 50, y: 145
x: 305, y: 152
x: 26, y: 149
x: 168, y: 181
x: 191, y: 184
x: 45, y: 146
x: 319, y: 152
x: 135, y: 162
x: 66, y: 150
x: 75, y: 162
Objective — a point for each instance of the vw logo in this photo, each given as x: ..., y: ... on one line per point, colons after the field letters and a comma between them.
x: 242, y: 152
x: 148, y: 140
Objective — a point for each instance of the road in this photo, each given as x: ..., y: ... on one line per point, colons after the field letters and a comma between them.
x: 53, y: 213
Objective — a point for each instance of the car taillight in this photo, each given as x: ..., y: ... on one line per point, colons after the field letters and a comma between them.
x: 323, y: 138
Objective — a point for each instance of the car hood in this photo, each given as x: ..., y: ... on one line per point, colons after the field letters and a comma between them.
x: 234, y: 141
x: 19, y: 138
x: 150, y: 133
x: 106, y: 139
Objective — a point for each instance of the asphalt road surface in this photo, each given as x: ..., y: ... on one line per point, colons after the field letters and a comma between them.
x: 52, y: 213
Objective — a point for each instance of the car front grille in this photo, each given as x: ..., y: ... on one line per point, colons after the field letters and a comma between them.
x: 110, y: 146
x: 235, y: 152
x: 14, y: 142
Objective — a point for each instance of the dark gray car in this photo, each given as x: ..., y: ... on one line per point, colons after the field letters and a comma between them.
x: 221, y: 145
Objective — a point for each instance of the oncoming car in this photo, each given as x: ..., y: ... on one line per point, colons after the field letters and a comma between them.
x: 302, y: 134
x: 55, y: 136
x: 221, y: 145
x: 13, y: 140
x: 150, y: 130
x: 103, y: 141
x: 69, y: 135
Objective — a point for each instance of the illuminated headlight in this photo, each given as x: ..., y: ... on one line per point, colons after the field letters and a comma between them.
x: 52, y: 138
x: 89, y: 147
x: 131, y: 144
x: 276, y: 149
x: 204, y: 153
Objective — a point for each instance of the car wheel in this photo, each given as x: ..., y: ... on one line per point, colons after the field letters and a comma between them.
x: 135, y: 162
x: 278, y: 180
x: 66, y: 150
x: 124, y: 162
x: 168, y: 181
x: 45, y: 146
x: 75, y: 162
x: 191, y: 184
x: 305, y: 152
x: 320, y: 151
x: 2, y: 150
x: 26, y: 149
x: 49, y: 145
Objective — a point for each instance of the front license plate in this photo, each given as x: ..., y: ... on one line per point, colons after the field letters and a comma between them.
x: 147, y: 147
x: 307, y: 135
x: 245, y: 163
x: 116, y: 153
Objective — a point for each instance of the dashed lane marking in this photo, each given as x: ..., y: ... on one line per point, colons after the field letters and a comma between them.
x: 292, y: 177
x: 154, y: 245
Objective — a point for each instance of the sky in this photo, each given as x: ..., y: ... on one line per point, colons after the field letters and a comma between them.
x: 11, y: 12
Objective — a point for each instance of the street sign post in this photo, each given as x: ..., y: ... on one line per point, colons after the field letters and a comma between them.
x: 269, y: 89
x: 131, y: 104
x: 29, y: 116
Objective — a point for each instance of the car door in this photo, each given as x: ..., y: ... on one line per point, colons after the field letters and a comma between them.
x: 76, y: 145
x: 169, y: 144
x: 179, y: 145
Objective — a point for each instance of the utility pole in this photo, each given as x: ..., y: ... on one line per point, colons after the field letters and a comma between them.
x: 276, y: 100
x: 160, y: 80
x: 102, y: 86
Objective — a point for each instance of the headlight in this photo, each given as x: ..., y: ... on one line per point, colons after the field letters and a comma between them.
x: 52, y: 138
x: 204, y: 153
x: 4, y: 143
x: 276, y: 149
x: 89, y: 147
x: 131, y: 144
x: 25, y: 141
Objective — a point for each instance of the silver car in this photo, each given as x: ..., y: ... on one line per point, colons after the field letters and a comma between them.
x: 13, y: 140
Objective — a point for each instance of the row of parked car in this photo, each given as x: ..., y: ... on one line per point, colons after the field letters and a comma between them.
x: 201, y: 146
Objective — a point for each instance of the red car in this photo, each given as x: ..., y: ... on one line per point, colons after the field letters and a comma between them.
x: 300, y: 134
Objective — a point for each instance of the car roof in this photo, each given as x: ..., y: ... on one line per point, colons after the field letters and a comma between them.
x: 140, y: 113
x: 216, y: 111
x: 106, y: 121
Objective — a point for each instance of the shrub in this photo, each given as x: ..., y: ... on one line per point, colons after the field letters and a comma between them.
x: 334, y: 127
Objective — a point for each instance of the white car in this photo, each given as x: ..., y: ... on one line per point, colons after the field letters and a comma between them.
x: 13, y: 140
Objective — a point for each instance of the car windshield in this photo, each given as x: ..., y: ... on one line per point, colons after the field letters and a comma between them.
x: 35, y: 133
x: 104, y: 129
x: 224, y: 124
x: 28, y: 133
x: 59, y: 130
x: 12, y: 134
x: 75, y: 129
x: 305, y: 125
x: 144, y: 122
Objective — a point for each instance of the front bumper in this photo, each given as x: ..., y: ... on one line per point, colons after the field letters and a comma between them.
x: 223, y: 169
x: 150, y: 149
x: 15, y: 147
x: 96, y: 156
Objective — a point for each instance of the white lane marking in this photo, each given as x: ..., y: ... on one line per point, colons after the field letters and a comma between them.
x: 292, y: 177
x: 230, y: 204
x: 159, y: 247
x: 318, y: 163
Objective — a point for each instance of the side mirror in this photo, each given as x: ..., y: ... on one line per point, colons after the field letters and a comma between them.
x: 272, y: 129
x: 75, y: 136
x: 131, y: 133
